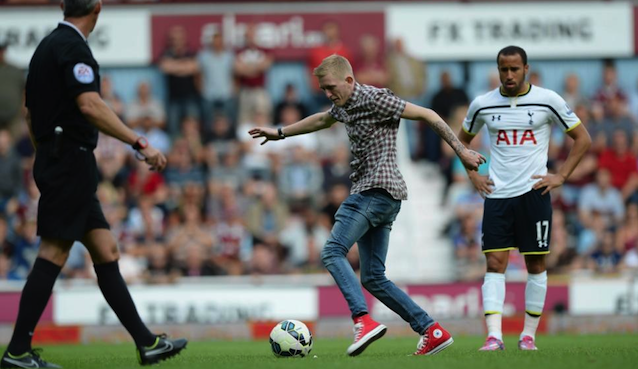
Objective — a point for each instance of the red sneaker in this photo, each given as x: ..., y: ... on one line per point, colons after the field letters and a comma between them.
x: 366, y: 331
x: 434, y: 340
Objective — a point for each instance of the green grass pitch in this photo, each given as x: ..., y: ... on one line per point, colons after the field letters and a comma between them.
x: 578, y: 352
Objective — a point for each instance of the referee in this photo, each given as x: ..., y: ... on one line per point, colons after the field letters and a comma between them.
x: 64, y: 113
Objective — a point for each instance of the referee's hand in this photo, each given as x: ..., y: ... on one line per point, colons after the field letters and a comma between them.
x: 154, y: 158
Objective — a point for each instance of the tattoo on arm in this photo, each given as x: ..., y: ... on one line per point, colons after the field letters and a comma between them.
x: 445, y: 132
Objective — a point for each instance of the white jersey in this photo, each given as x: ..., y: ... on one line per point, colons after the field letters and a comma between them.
x: 519, y: 129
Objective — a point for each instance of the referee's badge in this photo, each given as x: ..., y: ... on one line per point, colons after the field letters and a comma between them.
x: 83, y: 73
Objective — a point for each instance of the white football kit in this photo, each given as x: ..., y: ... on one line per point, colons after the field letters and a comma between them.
x: 519, y: 129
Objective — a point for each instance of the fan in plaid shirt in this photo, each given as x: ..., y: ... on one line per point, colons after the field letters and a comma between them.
x: 371, y: 116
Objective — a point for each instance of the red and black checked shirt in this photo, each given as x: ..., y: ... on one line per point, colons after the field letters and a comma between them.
x: 371, y: 116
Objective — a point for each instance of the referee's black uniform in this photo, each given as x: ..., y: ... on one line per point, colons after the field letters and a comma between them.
x: 65, y: 170
x: 64, y: 76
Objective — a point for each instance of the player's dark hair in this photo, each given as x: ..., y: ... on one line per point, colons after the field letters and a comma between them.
x: 513, y: 50
x: 78, y: 8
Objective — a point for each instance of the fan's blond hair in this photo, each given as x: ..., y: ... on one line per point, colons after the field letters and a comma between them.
x: 335, y: 65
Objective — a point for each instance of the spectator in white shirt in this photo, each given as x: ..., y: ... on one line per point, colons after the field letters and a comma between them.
x: 601, y: 197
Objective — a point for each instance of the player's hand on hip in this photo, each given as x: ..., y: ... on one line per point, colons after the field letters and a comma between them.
x: 483, y: 184
x: 270, y: 134
x: 154, y: 158
x: 549, y: 181
x: 471, y: 159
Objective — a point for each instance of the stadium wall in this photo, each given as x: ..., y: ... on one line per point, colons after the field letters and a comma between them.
x: 135, y: 35
x: 207, y: 308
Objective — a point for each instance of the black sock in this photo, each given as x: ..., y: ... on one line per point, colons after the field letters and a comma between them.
x: 116, y: 294
x: 35, y: 296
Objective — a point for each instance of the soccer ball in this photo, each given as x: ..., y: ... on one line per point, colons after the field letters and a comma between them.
x: 290, y: 338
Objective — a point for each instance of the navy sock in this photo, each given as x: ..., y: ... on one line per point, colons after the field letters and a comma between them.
x: 34, y: 299
x: 118, y: 297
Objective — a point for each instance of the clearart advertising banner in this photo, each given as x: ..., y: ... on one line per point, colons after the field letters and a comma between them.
x: 551, y: 30
x: 444, y: 301
x: 192, y: 304
x: 121, y: 37
x: 9, y: 304
x: 288, y: 35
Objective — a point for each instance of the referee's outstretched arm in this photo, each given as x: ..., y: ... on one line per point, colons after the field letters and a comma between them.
x: 100, y: 115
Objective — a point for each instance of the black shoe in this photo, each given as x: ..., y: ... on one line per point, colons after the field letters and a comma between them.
x: 30, y: 359
x: 162, y: 349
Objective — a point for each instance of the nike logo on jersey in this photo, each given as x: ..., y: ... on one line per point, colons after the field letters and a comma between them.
x: 22, y: 364
x: 515, y: 137
x: 168, y: 346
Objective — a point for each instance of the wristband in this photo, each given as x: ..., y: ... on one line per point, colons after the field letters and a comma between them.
x: 280, y: 131
x: 140, y: 144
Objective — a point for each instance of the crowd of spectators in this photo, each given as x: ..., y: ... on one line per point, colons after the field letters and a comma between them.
x: 226, y: 205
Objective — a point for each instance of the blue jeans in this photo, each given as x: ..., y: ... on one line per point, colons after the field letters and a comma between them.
x: 366, y: 218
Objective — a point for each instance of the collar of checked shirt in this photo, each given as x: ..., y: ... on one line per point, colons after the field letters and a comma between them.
x: 354, y: 97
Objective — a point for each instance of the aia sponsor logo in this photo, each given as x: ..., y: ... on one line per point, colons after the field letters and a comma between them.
x: 515, y: 137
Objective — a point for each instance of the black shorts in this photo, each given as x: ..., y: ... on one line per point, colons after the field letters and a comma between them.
x: 523, y: 222
x: 68, y: 206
